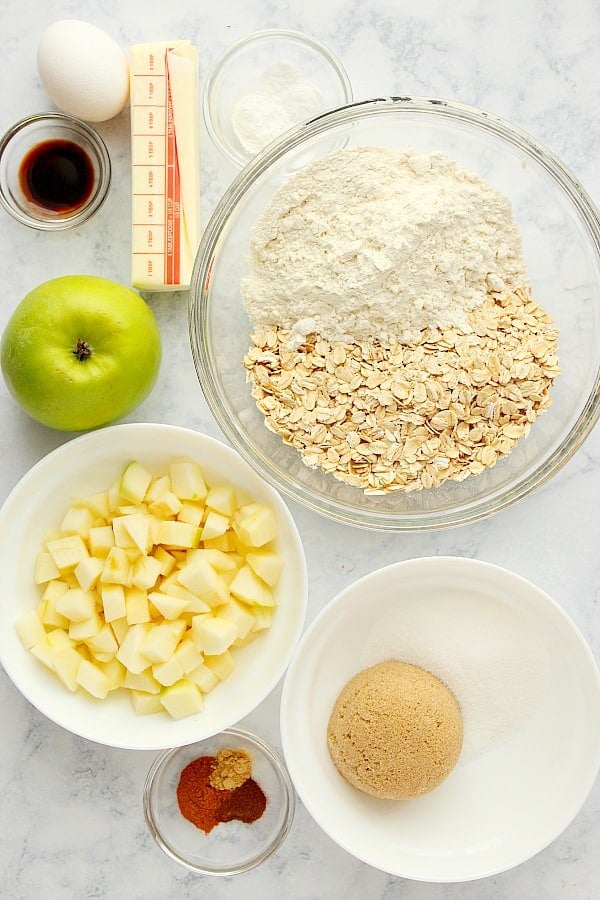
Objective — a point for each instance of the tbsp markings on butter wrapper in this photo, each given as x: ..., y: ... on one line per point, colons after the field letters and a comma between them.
x: 165, y: 164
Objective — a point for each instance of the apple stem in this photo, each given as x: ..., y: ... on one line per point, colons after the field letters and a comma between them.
x: 82, y: 350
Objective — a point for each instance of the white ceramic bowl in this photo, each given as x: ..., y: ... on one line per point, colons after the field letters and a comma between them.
x: 529, y: 691
x: 91, y: 463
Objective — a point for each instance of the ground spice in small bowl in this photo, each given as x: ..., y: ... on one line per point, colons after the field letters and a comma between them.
x: 217, y: 789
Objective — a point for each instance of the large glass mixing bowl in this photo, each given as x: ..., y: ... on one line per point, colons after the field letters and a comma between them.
x: 560, y: 230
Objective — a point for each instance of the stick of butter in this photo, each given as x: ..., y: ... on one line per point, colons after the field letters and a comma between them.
x: 165, y: 165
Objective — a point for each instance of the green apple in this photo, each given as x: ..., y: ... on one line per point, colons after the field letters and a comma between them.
x: 80, y: 351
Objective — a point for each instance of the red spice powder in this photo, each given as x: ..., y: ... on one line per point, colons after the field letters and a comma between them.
x: 246, y: 803
x: 206, y: 806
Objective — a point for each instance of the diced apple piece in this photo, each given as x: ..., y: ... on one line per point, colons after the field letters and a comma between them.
x: 97, y: 504
x: 166, y: 505
x: 240, y: 615
x: 187, y: 480
x: 221, y: 562
x: 243, y: 642
x: 158, y: 486
x: 87, y: 573
x: 116, y: 567
x: 66, y: 666
x: 145, y: 704
x: 44, y: 652
x: 135, y: 481
x: 146, y: 572
x: 167, y: 605
x: 113, y: 601
x: 114, y: 497
x: 59, y: 639
x: 83, y: 631
x: 267, y: 564
x: 131, y: 509
x: 138, y: 526
x: 77, y: 520
x: 167, y: 560
x: 104, y: 644
x: 67, y: 552
x: 168, y: 672
x: 178, y: 627
x: 45, y: 568
x: 30, y: 629
x: 187, y: 655
x: 120, y: 627
x: 54, y: 590
x: 129, y: 651
x: 222, y: 665
x: 226, y: 542
x: 191, y: 512
x: 249, y: 588
x: 263, y: 617
x: 214, y: 526
x: 182, y: 699
x: 123, y: 538
x: 76, y: 605
x: 257, y: 527
x: 180, y: 535
x: 204, y: 677
x: 143, y: 681
x: 201, y: 579
x: 133, y: 554
x: 100, y: 539
x: 159, y: 644
x: 50, y: 616
x: 52, y: 535
x: 115, y: 672
x: 213, y: 634
x: 222, y: 499
x: 136, y: 604
x: 92, y: 679
x: 194, y: 604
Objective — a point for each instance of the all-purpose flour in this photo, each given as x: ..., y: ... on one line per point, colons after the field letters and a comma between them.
x: 371, y: 242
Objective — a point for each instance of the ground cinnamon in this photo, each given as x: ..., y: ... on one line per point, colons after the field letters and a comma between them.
x: 246, y: 803
x: 206, y: 806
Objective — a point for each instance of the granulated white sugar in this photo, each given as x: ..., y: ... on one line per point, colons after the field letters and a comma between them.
x: 486, y: 653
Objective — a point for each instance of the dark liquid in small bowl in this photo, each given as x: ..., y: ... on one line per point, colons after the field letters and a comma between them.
x: 57, y: 175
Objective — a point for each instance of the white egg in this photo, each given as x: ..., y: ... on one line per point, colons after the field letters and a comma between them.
x: 84, y: 71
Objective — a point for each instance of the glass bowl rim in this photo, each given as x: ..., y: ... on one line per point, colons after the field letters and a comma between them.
x: 102, y: 159
x: 288, y: 795
x: 237, y: 157
x: 470, y: 511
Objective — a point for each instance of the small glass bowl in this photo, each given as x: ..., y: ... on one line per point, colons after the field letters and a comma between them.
x: 29, y: 133
x: 231, y: 847
x: 238, y: 73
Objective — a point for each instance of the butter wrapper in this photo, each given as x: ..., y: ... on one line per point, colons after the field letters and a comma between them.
x: 165, y: 162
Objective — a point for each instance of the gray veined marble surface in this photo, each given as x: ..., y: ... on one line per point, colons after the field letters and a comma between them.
x: 71, y: 824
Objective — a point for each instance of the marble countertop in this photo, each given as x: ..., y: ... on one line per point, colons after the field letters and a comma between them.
x: 71, y: 823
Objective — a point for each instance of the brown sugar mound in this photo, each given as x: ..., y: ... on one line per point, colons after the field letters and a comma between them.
x: 395, y: 731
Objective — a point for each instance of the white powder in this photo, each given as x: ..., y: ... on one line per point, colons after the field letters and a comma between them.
x: 284, y: 99
x: 488, y: 654
x: 370, y: 242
